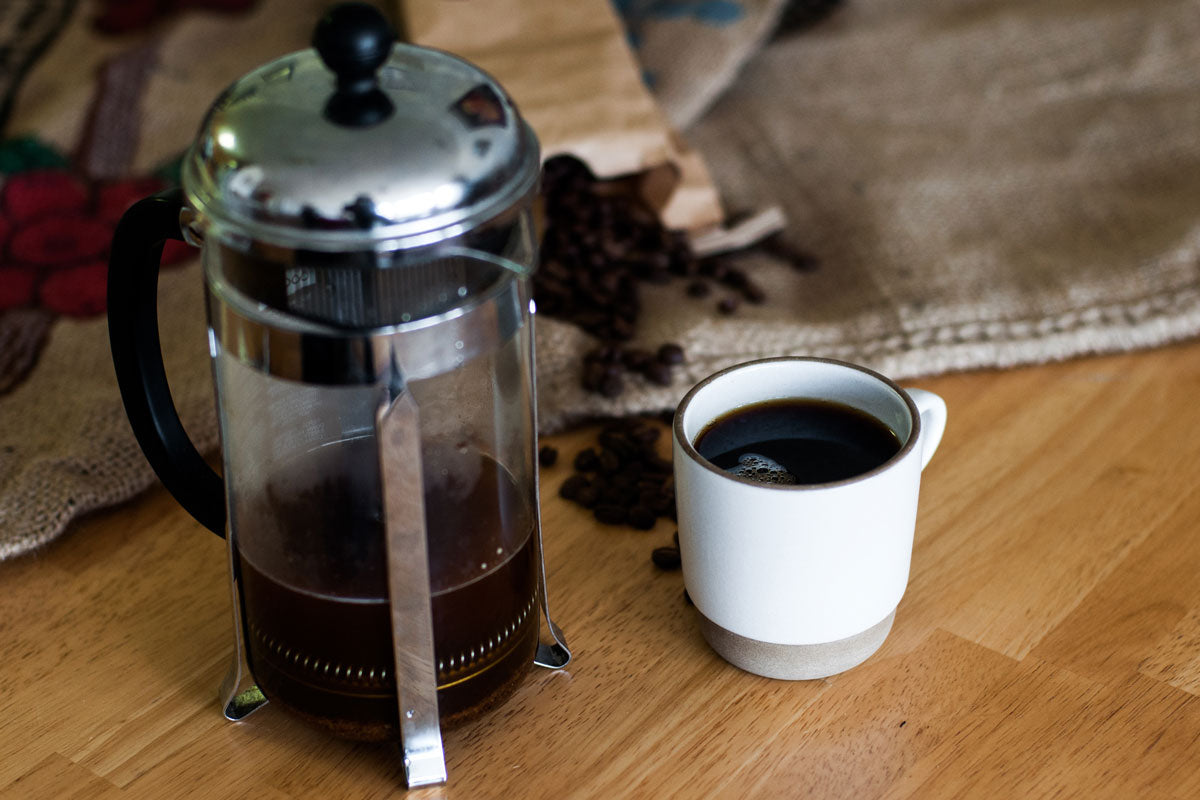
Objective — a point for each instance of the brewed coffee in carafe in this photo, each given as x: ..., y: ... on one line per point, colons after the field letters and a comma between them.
x: 309, y: 527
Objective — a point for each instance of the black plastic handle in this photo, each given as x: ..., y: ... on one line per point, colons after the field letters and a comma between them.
x: 137, y: 356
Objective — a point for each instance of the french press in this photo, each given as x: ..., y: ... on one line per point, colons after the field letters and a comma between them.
x: 364, y: 214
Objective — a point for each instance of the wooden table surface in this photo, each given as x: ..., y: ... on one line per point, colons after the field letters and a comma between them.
x: 1048, y: 644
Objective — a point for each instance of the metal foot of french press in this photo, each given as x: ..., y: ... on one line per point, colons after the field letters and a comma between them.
x: 240, y: 695
x: 556, y: 654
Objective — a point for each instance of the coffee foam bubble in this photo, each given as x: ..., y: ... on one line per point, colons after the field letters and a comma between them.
x: 762, y: 469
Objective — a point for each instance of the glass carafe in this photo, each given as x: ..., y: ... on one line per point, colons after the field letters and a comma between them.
x: 367, y: 241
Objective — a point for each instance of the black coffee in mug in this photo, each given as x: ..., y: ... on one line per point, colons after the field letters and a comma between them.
x: 792, y: 441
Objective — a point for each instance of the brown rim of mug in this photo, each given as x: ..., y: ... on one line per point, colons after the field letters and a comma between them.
x: 690, y: 450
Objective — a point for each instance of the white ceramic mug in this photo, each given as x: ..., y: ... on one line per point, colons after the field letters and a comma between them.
x: 800, y: 581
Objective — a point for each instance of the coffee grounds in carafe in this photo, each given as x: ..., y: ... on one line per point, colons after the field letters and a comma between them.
x: 326, y: 655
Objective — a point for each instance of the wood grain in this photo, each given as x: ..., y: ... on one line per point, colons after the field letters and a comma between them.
x: 1048, y: 645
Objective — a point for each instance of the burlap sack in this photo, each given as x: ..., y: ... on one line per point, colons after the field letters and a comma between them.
x: 985, y: 182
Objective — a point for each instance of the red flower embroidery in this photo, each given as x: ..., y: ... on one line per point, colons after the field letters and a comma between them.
x: 76, y: 291
x: 124, y: 16
x: 39, y: 192
x: 16, y: 286
x: 55, y: 232
x: 59, y: 240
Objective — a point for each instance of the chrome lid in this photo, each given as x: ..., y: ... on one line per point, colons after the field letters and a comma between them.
x: 361, y: 142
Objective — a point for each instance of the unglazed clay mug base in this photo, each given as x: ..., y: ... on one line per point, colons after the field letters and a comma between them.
x: 802, y: 581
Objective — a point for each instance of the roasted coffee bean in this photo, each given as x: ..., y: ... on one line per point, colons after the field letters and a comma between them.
x: 727, y: 304
x: 593, y: 376
x: 649, y: 483
x: 670, y: 353
x: 632, y: 468
x: 662, y: 503
x: 621, y: 328
x: 666, y: 558
x: 612, y: 496
x: 617, y: 442
x: 754, y: 293
x: 609, y: 461
x: 588, y: 497
x: 734, y: 278
x: 658, y: 373
x: 699, y: 289
x: 586, y: 460
x: 654, y: 463
x: 642, y: 518
x: 570, y: 488
x: 612, y: 386
x: 714, y: 268
x: 547, y: 456
x: 636, y: 359
x: 611, y: 514
x: 624, y: 481
x: 645, y: 434
x: 618, y: 493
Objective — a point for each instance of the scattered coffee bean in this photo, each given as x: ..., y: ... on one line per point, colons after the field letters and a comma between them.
x: 671, y: 354
x: 734, y: 278
x: 586, y: 461
x: 714, y: 268
x: 754, y: 293
x: 698, y: 289
x: 588, y: 497
x: 642, y: 518
x: 611, y: 514
x: 727, y: 304
x: 646, y: 434
x: 660, y: 466
x: 666, y: 557
x: 610, y: 462
x: 636, y: 359
x: 612, y: 386
x: 617, y: 442
x: 658, y: 373
x: 547, y: 456
x: 570, y: 488
x: 661, y: 503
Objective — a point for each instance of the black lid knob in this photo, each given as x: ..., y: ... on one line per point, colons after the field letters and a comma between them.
x: 354, y: 40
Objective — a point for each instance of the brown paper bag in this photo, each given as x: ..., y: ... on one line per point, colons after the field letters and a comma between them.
x: 571, y: 72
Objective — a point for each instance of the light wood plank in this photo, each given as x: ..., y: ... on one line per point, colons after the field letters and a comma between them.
x: 1175, y: 659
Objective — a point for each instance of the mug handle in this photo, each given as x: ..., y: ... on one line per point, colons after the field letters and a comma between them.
x: 137, y: 358
x: 933, y: 421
